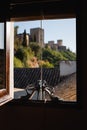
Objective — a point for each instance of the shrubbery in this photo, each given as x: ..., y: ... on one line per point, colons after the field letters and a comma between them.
x: 18, y: 63
x: 50, y: 58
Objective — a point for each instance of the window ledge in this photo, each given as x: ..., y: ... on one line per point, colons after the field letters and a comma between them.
x: 5, y: 99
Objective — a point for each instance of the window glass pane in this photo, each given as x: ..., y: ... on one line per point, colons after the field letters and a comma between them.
x: 1, y: 35
x: 2, y: 57
x: 45, y: 60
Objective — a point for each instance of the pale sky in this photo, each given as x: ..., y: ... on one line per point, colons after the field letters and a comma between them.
x: 1, y: 35
x: 54, y: 30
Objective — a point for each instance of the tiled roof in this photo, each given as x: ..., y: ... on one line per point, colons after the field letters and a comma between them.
x: 26, y: 76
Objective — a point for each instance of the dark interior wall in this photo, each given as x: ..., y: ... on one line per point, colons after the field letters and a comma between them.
x: 48, y: 9
x: 41, y: 118
x: 44, y: 118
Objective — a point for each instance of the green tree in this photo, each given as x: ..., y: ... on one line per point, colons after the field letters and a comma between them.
x: 15, y: 30
x: 24, y: 43
x: 35, y: 48
x: 52, y: 56
x: 24, y: 54
x: 18, y: 63
x: 20, y: 53
x: 46, y: 64
x: 69, y: 55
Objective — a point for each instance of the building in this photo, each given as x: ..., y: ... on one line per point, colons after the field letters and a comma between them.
x: 56, y: 46
x: 37, y: 35
x: 60, y: 45
x: 62, y: 48
x: 21, y: 37
x: 60, y: 42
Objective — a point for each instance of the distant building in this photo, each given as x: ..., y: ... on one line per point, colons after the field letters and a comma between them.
x: 51, y: 43
x: 62, y: 48
x: 37, y: 35
x: 60, y: 45
x: 21, y: 36
x: 56, y: 46
x: 60, y: 42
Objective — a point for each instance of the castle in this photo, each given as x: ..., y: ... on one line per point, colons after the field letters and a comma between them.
x: 37, y: 35
x: 56, y: 46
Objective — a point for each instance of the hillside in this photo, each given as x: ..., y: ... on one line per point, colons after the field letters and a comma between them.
x: 30, y: 57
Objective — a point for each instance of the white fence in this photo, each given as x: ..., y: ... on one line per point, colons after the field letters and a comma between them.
x: 67, y: 67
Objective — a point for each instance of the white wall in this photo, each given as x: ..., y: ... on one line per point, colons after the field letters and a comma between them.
x: 67, y: 67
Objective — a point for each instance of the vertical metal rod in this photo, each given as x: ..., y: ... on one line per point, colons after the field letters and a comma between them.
x: 41, y: 78
x: 41, y: 50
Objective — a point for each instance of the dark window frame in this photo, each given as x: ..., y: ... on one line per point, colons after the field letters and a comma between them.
x: 61, y: 9
x: 6, y: 94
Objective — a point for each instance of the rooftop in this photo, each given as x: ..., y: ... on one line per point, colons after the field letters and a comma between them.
x: 26, y: 76
x: 65, y: 90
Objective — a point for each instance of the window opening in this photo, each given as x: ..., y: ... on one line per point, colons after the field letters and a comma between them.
x: 54, y: 77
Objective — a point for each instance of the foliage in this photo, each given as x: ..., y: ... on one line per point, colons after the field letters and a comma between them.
x: 24, y: 43
x: 18, y: 63
x: 46, y: 64
x: 35, y: 48
x: 24, y: 54
x: 69, y: 55
x: 52, y: 56
x: 17, y: 43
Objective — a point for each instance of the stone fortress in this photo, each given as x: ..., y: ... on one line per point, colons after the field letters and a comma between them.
x: 37, y: 35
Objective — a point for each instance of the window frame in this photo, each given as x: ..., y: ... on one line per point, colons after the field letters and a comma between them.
x: 7, y: 93
x: 61, y: 9
x: 65, y: 104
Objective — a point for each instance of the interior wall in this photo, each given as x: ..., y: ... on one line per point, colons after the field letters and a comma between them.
x: 16, y: 117
x: 43, y: 118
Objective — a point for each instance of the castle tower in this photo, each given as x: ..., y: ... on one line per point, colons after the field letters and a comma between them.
x: 37, y: 35
x: 60, y: 42
x: 51, y: 44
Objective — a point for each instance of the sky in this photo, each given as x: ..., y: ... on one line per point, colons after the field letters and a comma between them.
x: 64, y: 29
x: 1, y: 35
